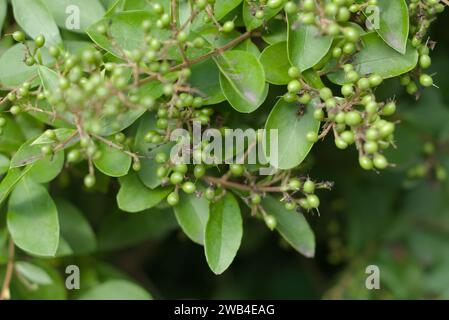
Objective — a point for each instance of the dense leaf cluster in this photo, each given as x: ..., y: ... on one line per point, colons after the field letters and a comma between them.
x: 101, y: 101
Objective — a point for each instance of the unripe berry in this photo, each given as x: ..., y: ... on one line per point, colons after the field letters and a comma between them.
x: 173, y: 199
x: 236, y: 169
x: 309, y: 187
x: 256, y: 198
x: 271, y: 222
x: 189, y: 187
x: 366, y: 163
x: 39, y: 41
x: 294, y: 86
x: 380, y: 162
x: 18, y: 36
x: 199, y: 171
x: 425, y: 80
x: 312, y: 136
x: 353, y: 118
x: 228, y: 26
x: 89, y: 181
x: 313, y: 201
x: 176, y: 178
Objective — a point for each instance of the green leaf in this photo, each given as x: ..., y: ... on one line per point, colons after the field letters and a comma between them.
x: 251, y: 22
x: 14, y: 71
x: 275, y: 63
x: 192, y: 214
x: 306, y: 45
x: 30, y: 151
x: 223, y: 7
x: 377, y: 57
x: 4, y: 164
x: 394, y: 23
x: 292, y: 226
x: 116, y: 290
x: 3, y: 11
x: 206, y: 78
x: 90, y: 11
x: 223, y: 233
x: 33, y: 219
x: 125, y: 28
x: 135, y: 197
x: 75, y: 229
x: 9, y: 182
x: 242, y: 80
x: 35, y: 19
x: 33, y: 273
x: 292, y: 126
x: 48, y: 168
x: 112, y: 162
x: 275, y: 32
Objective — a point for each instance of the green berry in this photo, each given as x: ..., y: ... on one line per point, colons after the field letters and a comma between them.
x: 366, y: 163
x: 425, y: 61
x: 313, y: 201
x: 39, y: 41
x: 161, y: 157
x: 348, y: 137
x: 228, y: 26
x: 340, y: 143
x: 425, y: 80
x: 188, y: 187
x: 353, y: 118
x: 312, y: 136
x: 256, y: 198
x: 173, y: 199
x: 181, y: 168
x: 209, y: 194
x: 176, y: 178
x: 371, y: 147
x: 199, y: 171
x: 18, y: 36
x: 325, y: 93
x: 294, y: 86
x: 389, y: 109
x: 271, y: 222
x: 318, y: 114
x: 380, y: 162
x: 89, y: 181
x: 293, y: 72
x: 309, y: 187
x: 290, y: 205
x: 274, y: 4
x: 236, y: 169
x: 375, y: 80
x: 294, y: 184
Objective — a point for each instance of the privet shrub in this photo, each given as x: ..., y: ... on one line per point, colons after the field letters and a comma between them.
x: 93, y: 91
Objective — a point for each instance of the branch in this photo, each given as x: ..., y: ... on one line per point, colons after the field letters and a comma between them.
x: 9, y: 269
x: 212, y: 53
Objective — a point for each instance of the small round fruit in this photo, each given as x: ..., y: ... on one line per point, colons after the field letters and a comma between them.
x: 293, y: 72
x: 313, y: 201
x: 188, y: 187
x: 312, y: 136
x: 389, y: 109
x: 371, y: 147
x: 271, y: 222
x: 425, y: 61
x: 366, y: 163
x: 294, y: 184
x: 425, y: 80
x: 380, y: 162
x: 256, y: 198
x: 294, y: 86
x: 181, y: 168
x: 236, y: 169
x: 353, y: 118
x: 209, y: 194
x: 18, y: 36
x: 39, y: 41
x: 290, y: 205
x: 89, y: 181
x: 309, y: 187
x: 176, y: 178
x: 199, y: 171
x: 325, y: 93
x: 173, y: 199
x: 228, y: 26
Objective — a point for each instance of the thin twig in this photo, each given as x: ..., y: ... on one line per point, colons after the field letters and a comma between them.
x: 9, y: 270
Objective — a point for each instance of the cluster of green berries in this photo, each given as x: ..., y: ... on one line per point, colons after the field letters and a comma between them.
x: 356, y: 117
x: 310, y: 200
x: 418, y: 77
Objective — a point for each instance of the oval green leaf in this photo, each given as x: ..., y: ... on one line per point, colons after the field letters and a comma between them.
x: 135, y: 197
x: 33, y: 219
x: 112, y: 162
x: 276, y: 64
x: 394, y: 23
x: 292, y: 226
x: 223, y: 7
x: 35, y: 19
x: 292, y: 125
x: 306, y: 45
x: 66, y: 12
x: 242, y: 80
x: 223, y: 233
x: 192, y: 214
